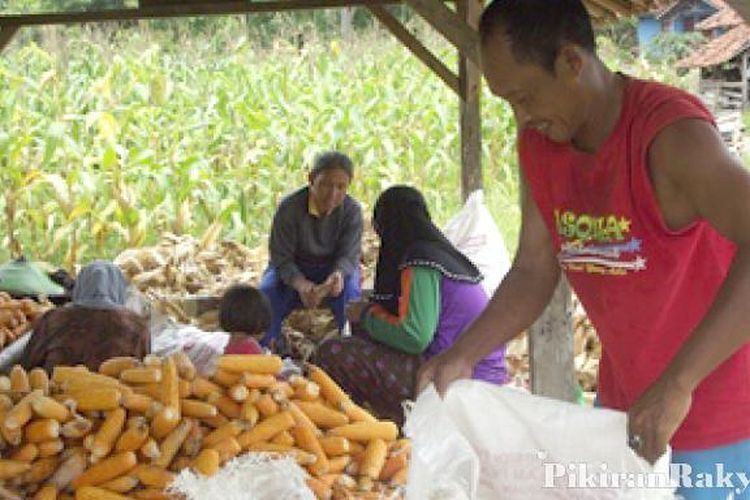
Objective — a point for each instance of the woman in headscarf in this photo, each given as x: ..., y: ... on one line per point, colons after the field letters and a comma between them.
x: 426, y: 294
x: 95, y: 327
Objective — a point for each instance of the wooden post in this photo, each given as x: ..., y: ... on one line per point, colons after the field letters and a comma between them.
x: 745, y: 75
x: 6, y: 35
x: 470, y: 84
x: 551, y: 348
x: 347, y: 26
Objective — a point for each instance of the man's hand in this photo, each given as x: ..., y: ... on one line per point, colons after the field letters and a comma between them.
x: 443, y: 369
x: 335, y: 283
x: 655, y: 417
x: 354, y: 311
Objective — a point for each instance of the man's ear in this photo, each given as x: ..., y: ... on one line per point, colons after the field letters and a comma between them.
x: 569, y: 61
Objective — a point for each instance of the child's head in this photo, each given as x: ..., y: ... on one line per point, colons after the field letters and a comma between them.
x: 244, y: 309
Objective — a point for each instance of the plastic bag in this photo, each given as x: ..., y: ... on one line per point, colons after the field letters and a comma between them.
x: 473, y: 231
x: 13, y: 353
x: 483, y: 441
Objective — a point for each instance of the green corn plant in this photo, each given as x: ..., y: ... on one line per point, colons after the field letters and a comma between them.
x: 189, y: 127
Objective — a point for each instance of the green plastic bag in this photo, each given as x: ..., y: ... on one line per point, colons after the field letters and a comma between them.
x: 21, y: 277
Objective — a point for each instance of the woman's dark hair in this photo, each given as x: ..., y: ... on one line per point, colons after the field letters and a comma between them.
x: 332, y: 160
x: 537, y: 29
x: 244, y: 309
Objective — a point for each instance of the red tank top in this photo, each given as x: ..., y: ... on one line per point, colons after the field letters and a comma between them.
x: 644, y: 286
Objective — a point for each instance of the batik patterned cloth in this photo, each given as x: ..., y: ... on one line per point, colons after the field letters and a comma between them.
x: 374, y: 375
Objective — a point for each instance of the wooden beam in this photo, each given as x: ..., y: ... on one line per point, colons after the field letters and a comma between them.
x: 641, y: 5
x: 464, y: 37
x: 617, y: 8
x: 742, y: 7
x: 183, y: 9
x: 470, y: 80
x: 415, y: 46
x: 597, y: 12
x: 551, y: 348
x: 6, y: 35
x: 153, y: 3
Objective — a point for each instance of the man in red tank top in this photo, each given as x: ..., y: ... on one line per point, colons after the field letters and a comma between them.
x: 628, y: 189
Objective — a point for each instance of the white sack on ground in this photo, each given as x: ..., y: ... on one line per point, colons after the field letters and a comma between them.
x: 487, y: 442
x: 473, y: 231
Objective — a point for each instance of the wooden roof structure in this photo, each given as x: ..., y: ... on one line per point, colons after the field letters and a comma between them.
x: 435, y: 11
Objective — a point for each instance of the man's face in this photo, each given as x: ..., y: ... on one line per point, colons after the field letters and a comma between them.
x: 328, y: 189
x: 540, y: 99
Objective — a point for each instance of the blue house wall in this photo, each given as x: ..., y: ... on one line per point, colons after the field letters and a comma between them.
x: 680, y: 19
x: 648, y: 28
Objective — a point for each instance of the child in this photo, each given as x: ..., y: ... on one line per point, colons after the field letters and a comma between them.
x: 245, y: 314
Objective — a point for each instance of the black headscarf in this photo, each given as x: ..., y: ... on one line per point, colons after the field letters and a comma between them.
x: 409, y: 238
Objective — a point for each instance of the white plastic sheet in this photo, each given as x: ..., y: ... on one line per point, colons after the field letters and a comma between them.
x: 201, y: 347
x: 255, y: 476
x: 488, y: 442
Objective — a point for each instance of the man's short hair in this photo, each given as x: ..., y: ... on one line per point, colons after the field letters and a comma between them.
x: 537, y: 29
x: 332, y: 160
x: 244, y: 309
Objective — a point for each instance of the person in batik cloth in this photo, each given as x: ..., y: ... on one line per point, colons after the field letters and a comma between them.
x: 426, y: 293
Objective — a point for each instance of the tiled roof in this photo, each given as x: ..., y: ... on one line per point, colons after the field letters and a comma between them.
x: 726, y: 17
x: 719, y: 50
x: 663, y: 9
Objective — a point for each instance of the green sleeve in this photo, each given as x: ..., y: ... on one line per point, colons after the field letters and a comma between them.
x: 413, y: 329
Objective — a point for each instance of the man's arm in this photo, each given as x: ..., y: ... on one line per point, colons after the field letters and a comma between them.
x: 519, y: 300
x: 696, y: 177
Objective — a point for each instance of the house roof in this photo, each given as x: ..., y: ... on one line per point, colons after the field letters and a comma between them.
x: 664, y: 8
x: 719, y: 50
x: 726, y: 17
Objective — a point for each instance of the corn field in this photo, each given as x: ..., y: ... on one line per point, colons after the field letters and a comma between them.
x: 111, y: 137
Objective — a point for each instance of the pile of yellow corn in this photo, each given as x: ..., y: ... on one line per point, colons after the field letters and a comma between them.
x: 125, y: 431
x: 16, y: 317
